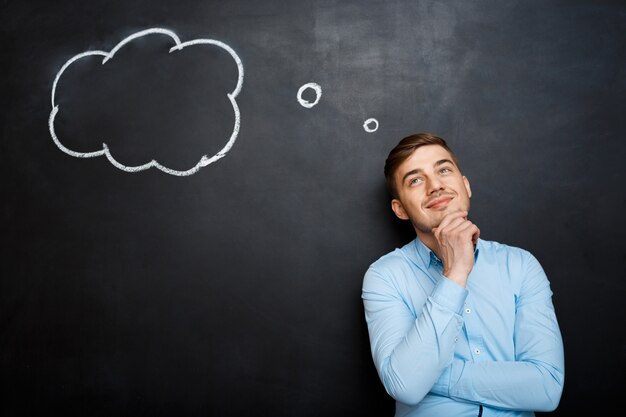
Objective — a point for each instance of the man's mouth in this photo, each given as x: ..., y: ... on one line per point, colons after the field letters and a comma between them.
x: 439, y: 202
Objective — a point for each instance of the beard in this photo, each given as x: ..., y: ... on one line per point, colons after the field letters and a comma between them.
x: 426, y: 226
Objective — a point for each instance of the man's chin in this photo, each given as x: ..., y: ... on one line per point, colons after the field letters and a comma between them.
x: 426, y: 228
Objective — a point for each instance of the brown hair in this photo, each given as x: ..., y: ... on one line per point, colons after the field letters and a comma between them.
x: 404, y: 149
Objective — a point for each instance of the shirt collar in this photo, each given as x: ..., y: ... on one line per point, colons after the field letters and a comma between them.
x: 428, y: 257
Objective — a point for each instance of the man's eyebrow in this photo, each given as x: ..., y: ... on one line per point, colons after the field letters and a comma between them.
x: 444, y: 161
x: 418, y: 170
x: 411, y: 172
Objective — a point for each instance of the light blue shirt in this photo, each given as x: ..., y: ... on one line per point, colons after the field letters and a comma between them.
x: 442, y: 350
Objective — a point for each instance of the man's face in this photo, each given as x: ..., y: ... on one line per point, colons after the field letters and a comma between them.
x: 429, y: 186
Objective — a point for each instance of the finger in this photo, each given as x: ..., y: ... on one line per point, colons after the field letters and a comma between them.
x: 465, y: 232
x: 451, y: 217
x: 470, y: 230
x: 449, y: 227
x: 467, y: 228
x: 453, y: 225
x: 476, y: 235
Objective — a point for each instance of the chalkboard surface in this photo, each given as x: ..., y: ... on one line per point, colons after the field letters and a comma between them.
x: 185, y: 225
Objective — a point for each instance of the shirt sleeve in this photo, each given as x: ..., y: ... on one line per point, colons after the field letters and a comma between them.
x: 534, y: 380
x: 411, y: 350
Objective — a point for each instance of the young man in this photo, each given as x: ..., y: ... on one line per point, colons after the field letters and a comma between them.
x: 458, y: 326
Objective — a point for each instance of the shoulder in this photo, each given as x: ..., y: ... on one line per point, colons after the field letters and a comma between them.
x: 389, y: 261
x: 517, y: 265
x: 386, y: 267
x: 499, y: 252
x: 394, y: 260
x: 400, y: 268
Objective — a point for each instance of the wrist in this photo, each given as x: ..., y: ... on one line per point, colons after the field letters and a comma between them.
x: 457, y: 276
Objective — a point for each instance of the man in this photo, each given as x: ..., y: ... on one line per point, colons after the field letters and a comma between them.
x: 458, y: 326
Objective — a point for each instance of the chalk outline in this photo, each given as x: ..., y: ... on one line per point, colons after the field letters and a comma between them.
x: 367, y: 122
x: 318, y: 94
x: 204, y: 161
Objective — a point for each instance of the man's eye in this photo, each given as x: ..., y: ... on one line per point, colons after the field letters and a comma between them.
x: 445, y: 170
x: 415, y: 181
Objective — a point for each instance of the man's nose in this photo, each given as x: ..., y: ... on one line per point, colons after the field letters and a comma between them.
x: 434, y: 185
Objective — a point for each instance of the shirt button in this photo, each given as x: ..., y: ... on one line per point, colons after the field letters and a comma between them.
x: 477, y: 351
x: 468, y: 310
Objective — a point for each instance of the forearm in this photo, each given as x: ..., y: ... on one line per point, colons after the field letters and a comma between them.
x: 414, y: 365
x: 410, y: 353
x: 522, y: 385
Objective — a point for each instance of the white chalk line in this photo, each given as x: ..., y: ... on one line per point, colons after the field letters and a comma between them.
x: 204, y: 161
x: 367, y: 123
x: 139, y: 35
x: 318, y: 94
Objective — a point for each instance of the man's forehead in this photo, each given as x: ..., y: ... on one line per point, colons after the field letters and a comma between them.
x: 424, y: 157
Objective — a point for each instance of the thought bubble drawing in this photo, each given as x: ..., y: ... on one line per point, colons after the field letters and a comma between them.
x: 318, y: 94
x: 204, y: 160
x: 370, y: 125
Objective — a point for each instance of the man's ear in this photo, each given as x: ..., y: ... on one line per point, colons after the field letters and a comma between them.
x: 467, y: 186
x: 398, y: 209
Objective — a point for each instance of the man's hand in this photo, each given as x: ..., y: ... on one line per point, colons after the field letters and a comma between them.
x: 456, y: 237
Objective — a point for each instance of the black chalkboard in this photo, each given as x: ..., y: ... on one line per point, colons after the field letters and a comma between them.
x: 231, y: 286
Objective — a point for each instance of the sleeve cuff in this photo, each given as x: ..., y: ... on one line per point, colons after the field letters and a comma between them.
x: 449, y: 295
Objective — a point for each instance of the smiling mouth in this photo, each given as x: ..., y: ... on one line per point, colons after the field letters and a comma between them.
x: 439, y: 202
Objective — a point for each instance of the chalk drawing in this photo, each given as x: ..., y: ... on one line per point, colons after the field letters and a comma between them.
x: 367, y: 124
x: 205, y: 160
x: 318, y: 95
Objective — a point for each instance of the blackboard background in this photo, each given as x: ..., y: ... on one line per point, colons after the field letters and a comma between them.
x: 236, y: 291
